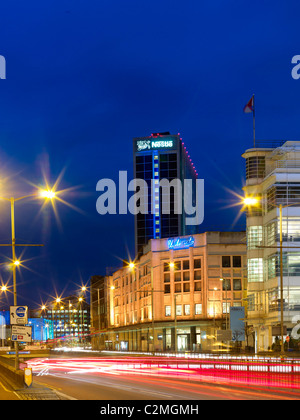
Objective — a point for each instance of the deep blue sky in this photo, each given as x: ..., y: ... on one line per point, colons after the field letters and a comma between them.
x: 85, y: 77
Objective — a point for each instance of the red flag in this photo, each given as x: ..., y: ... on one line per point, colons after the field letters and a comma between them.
x: 250, y: 106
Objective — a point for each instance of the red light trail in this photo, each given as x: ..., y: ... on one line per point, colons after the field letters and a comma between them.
x: 233, y: 373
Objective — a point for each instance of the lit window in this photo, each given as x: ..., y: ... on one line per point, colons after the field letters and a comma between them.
x: 178, y: 310
x: 198, y: 309
x: 255, y: 270
x: 187, y: 309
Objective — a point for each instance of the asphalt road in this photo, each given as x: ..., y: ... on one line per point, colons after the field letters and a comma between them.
x: 7, y: 393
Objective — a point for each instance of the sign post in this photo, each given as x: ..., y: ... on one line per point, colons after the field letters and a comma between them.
x: 21, y: 334
x: 28, y: 377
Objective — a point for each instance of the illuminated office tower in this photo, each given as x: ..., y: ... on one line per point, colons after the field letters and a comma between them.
x: 156, y: 157
x: 273, y: 177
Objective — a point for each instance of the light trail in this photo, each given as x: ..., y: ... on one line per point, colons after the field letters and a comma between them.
x: 270, y: 375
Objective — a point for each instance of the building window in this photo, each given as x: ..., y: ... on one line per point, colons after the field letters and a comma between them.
x: 187, y: 310
x: 226, y: 261
x: 198, y: 309
x: 226, y: 284
x: 197, y: 286
x: 186, y: 265
x: 167, y: 288
x: 254, y: 236
x: 255, y: 167
x: 197, y: 275
x: 178, y: 310
x: 290, y: 229
x: 167, y: 278
x: 237, y: 284
x: 177, y: 265
x: 186, y: 276
x: 178, y: 288
x: 166, y: 267
x: 226, y: 307
x: 197, y: 263
x: 186, y: 287
x: 177, y: 276
x: 167, y: 310
x: 255, y: 270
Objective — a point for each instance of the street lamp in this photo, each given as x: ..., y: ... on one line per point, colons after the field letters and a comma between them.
x: 175, y: 320
x: 80, y: 300
x: 226, y: 309
x: 214, y: 297
x: 45, y: 194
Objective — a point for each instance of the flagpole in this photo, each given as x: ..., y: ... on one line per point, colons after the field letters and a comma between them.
x: 254, y: 122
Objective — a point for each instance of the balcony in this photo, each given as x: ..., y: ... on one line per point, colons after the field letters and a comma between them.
x: 283, y: 165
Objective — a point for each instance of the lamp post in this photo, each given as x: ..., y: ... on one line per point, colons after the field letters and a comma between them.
x: 215, y: 289
x: 226, y: 309
x: 15, y: 262
x: 43, y: 309
x: 80, y: 300
x: 99, y: 321
x: 175, y: 322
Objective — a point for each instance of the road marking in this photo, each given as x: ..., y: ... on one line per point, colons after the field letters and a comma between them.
x: 7, y: 390
x: 57, y: 390
x: 4, y: 387
x: 126, y: 388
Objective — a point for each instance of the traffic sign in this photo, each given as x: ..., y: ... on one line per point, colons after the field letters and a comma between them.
x: 28, y: 376
x: 21, y: 334
x: 18, y: 315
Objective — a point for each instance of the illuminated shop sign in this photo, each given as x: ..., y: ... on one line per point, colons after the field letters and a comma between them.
x: 143, y: 145
x: 181, y: 243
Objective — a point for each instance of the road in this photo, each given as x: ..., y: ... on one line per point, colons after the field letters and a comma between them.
x: 96, y: 379
x: 7, y: 393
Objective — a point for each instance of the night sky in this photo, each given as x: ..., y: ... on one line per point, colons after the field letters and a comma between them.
x: 85, y: 77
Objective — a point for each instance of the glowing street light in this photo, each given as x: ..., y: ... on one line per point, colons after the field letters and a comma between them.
x: 251, y: 201
x: 49, y: 194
